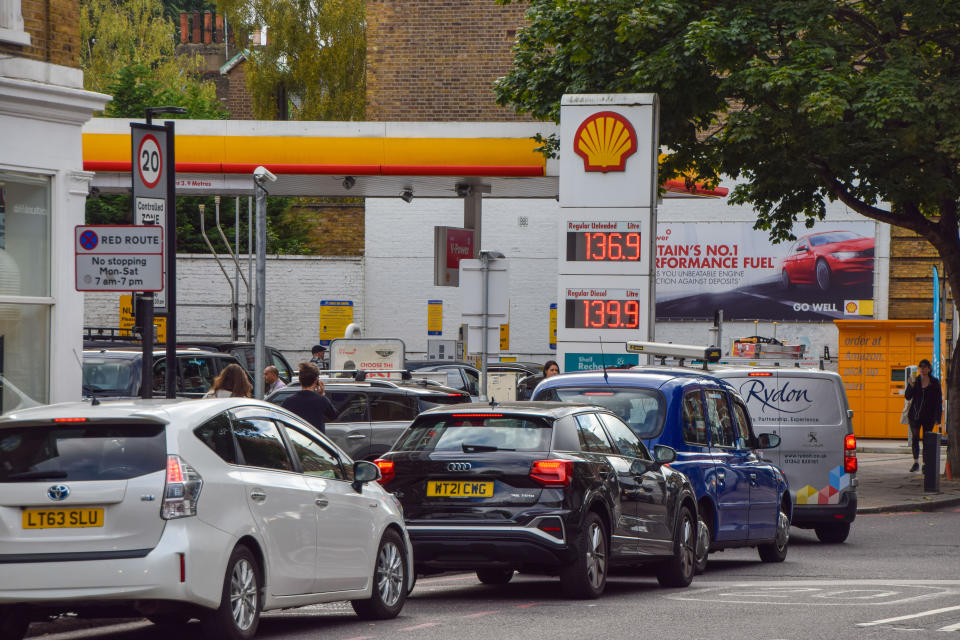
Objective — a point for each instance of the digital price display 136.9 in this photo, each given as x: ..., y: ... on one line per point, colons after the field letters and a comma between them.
x: 603, y: 242
x: 601, y: 313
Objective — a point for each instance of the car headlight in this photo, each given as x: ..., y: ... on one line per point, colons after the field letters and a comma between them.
x: 844, y: 255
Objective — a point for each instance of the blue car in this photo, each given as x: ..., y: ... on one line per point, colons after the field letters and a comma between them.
x: 743, y: 500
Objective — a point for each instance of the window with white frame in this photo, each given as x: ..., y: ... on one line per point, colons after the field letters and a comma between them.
x: 25, y: 284
x: 11, y: 23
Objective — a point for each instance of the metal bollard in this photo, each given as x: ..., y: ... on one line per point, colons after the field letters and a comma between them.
x: 931, y: 461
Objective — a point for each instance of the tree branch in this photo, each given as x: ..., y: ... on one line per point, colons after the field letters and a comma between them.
x: 913, y: 219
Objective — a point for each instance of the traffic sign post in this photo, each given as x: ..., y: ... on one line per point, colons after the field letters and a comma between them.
x: 149, y: 171
x: 153, y: 171
x: 119, y: 258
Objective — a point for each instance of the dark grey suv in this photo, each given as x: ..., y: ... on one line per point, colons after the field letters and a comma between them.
x: 372, y: 414
x: 115, y: 373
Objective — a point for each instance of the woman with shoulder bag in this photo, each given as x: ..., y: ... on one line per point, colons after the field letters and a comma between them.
x: 926, y: 407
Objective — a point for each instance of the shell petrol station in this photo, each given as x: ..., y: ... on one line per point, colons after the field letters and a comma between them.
x: 606, y: 186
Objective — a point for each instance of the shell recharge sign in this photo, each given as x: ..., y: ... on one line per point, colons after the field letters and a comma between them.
x: 608, y: 192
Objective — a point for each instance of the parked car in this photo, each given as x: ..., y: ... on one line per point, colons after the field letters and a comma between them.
x: 460, y: 375
x: 116, y: 373
x: 245, y: 352
x: 546, y: 488
x: 372, y: 414
x: 742, y: 499
x: 824, y: 258
x: 218, y: 510
x: 808, y: 409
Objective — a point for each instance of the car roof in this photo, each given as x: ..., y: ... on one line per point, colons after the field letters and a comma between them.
x: 419, y: 364
x: 648, y: 377
x: 415, y: 386
x: 128, y: 353
x: 159, y: 410
x: 538, y: 409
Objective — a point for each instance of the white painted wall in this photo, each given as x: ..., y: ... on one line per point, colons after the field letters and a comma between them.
x: 390, y: 286
x: 399, y: 270
x: 295, y: 287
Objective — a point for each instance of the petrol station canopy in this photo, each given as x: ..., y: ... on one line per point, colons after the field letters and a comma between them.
x: 356, y: 159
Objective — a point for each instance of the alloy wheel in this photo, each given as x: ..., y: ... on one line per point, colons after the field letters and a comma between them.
x: 243, y: 594
x: 390, y: 574
x: 596, y: 556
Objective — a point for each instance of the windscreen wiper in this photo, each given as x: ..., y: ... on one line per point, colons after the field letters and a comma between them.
x: 37, y: 475
x: 481, y: 448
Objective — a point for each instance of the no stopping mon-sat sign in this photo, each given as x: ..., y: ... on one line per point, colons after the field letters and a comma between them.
x: 119, y: 258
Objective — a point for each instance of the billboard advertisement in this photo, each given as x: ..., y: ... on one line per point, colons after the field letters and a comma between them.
x: 826, y: 273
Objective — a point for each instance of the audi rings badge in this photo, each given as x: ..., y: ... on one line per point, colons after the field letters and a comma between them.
x: 458, y: 466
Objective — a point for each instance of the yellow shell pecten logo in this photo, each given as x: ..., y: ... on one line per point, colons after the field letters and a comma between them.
x: 605, y: 140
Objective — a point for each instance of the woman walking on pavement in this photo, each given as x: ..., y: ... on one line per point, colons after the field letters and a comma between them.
x: 926, y: 407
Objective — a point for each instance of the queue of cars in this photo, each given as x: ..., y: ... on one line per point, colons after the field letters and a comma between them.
x: 653, y: 467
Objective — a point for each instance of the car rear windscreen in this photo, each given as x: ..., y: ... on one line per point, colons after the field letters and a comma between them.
x: 81, y: 452
x: 642, y: 409
x: 472, y: 434
x: 111, y: 376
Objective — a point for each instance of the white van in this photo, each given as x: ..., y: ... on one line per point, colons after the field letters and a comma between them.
x: 808, y: 409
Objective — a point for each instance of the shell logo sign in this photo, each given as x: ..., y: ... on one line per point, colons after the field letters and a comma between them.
x: 605, y: 140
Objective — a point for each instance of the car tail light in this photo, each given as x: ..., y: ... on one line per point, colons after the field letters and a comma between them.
x: 759, y: 374
x: 850, y: 454
x: 477, y: 415
x: 552, y: 473
x: 182, y: 490
x: 69, y: 419
x: 386, y: 470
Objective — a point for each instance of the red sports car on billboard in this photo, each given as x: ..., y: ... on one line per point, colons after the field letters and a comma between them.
x: 828, y: 258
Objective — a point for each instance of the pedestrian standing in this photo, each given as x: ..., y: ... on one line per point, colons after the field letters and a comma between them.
x: 317, y: 358
x: 926, y: 407
x: 271, y: 380
x: 231, y: 383
x: 310, y: 403
x: 550, y: 368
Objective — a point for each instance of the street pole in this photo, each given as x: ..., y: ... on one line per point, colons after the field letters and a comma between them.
x: 259, y: 358
x: 485, y: 266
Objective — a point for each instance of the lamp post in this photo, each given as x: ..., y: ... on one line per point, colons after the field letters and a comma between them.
x: 260, y: 175
x: 485, y: 257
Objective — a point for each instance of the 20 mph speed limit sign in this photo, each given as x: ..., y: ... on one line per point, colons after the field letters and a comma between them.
x: 150, y: 169
x: 149, y: 161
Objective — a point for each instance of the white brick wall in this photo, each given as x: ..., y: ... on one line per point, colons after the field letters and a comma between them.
x: 390, y: 286
x: 295, y: 287
x: 399, y: 273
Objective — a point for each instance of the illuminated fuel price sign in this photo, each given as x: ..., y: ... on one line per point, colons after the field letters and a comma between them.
x: 608, y: 246
x: 604, y: 246
x: 616, y: 312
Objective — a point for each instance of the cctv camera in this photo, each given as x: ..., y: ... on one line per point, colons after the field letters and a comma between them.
x: 262, y: 173
x: 407, y: 195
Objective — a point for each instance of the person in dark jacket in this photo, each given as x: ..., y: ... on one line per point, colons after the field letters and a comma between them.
x: 926, y: 406
x: 310, y: 403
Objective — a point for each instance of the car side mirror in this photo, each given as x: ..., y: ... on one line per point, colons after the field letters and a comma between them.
x: 850, y: 413
x: 364, y: 472
x: 768, y: 441
x: 664, y: 454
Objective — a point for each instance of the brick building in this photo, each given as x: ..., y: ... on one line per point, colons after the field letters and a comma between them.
x: 43, y: 190
x: 435, y: 60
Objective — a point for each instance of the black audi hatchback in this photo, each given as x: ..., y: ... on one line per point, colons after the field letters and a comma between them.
x: 546, y: 487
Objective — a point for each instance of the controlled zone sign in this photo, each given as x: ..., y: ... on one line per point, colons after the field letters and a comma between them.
x: 119, y: 258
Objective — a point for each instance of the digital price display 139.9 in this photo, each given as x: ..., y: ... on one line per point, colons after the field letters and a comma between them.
x: 597, y: 313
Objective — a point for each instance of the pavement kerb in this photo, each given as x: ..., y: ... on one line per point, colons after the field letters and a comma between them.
x: 927, y: 505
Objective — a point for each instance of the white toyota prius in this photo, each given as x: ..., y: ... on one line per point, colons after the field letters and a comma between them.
x: 211, y: 509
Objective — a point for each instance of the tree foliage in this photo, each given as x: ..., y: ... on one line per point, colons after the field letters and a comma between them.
x: 315, y: 56
x: 804, y: 101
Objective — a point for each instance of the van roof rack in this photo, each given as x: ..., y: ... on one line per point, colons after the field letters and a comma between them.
x: 681, y: 352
